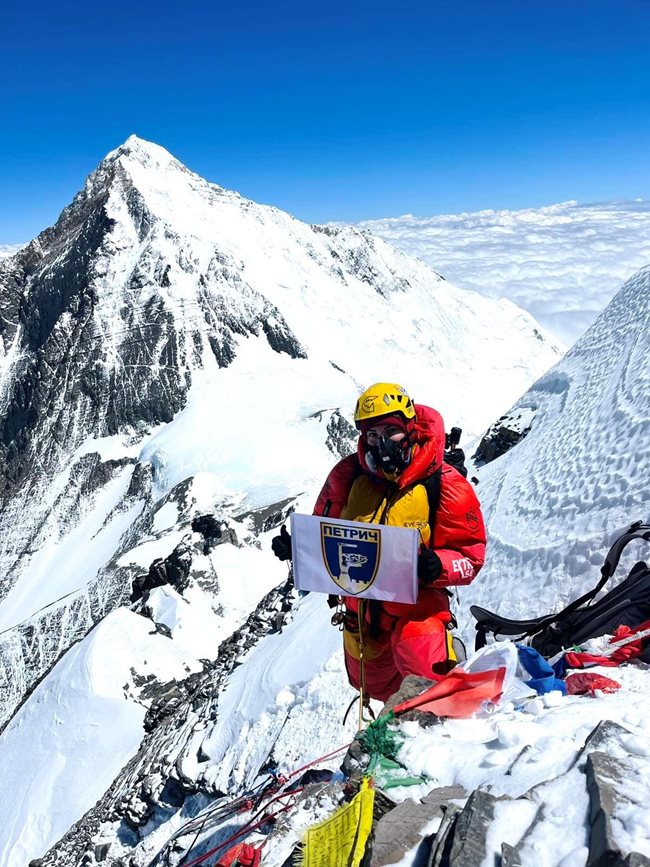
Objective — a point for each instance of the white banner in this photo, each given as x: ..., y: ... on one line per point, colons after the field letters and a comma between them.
x: 351, y: 558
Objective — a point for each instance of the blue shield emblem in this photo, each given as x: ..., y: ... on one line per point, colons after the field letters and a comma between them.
x: 351, y: 556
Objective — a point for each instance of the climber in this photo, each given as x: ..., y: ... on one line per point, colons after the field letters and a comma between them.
x: 398, y: 477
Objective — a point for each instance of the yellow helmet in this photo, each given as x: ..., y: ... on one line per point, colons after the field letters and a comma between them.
x: 383, y: 398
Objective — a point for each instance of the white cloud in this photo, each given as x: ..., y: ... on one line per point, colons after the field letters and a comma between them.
x: 562, y: 263
x: 9, y: 249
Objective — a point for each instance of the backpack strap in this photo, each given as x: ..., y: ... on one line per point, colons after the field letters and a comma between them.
x: 638, y: 530
x: 433, y: 485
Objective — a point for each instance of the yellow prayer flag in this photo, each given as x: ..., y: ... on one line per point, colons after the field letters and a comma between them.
x: 340, y: 841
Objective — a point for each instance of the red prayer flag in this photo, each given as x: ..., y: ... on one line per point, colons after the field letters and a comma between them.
x: 459, y: 694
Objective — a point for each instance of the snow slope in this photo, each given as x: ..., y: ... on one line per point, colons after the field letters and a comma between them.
x: 553, y: 504
x: 562, y: 263
x: 556, y: 501
x: 81, y: 725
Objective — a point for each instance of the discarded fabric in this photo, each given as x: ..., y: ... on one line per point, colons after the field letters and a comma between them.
x: 623, y: 646
x: 587, y: 682
x: 502, y: 654
x: 542, y: 677
x: 241, y: 855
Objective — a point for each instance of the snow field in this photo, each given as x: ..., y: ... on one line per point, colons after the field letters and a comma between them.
x: 64, y: 747
x: 250, y: 435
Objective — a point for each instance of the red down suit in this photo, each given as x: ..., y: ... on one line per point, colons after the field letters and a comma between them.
x: 401, y: 639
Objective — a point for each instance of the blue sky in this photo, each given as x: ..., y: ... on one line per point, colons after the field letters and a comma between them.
x: 333, y: 111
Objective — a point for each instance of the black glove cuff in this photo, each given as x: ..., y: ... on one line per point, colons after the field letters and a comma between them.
x: 429, y: 566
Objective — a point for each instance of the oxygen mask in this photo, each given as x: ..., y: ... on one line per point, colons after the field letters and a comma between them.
x: 391, y: 456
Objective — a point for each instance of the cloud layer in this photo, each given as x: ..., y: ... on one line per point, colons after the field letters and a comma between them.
x: 563, y: 263
x: 9, y: 249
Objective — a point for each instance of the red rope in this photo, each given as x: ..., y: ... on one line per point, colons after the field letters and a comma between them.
x: 316, y: 761
x: 247, y: 827
x: 243, y: 831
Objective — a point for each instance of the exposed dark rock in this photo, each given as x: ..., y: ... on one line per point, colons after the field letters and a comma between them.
x: 280, y: 337
x: 355, y: 761
x: 214, y: 532
x: 140, y: 484
x: 160, y: 628
x: 510, y: 856
x: 607, y: 783
x: 602, y: 775
x: 601, y: 739
x: 438, y: 799
x: 468, y: 846
x: 412, y: 685
x: 635, y: 859
x: 443, y: 839
x: 341, y: 436
x: 383, y: 804
x: 503, y: 435
x: 172, y: 793
x: 101, y: 851
x: 269, y: 517
x: 91, y: 473
x: 400, y: 829
x: 174, y: 570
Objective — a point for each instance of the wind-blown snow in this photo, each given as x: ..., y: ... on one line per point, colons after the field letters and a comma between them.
x: 556, y: 501
x: 562, y: 263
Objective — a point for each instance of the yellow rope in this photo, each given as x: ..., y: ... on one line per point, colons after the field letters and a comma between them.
x: 362, y: 678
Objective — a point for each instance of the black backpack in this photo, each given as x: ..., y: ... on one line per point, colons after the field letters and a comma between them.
x: 627, y: 604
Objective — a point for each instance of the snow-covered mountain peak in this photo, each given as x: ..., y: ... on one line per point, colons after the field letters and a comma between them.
x: 146, y: 152
x: 164, y: 182
x: 160, y: 305
x: 178, y: 366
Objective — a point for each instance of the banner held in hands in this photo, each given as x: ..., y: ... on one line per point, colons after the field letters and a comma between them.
x: 352, y: 558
